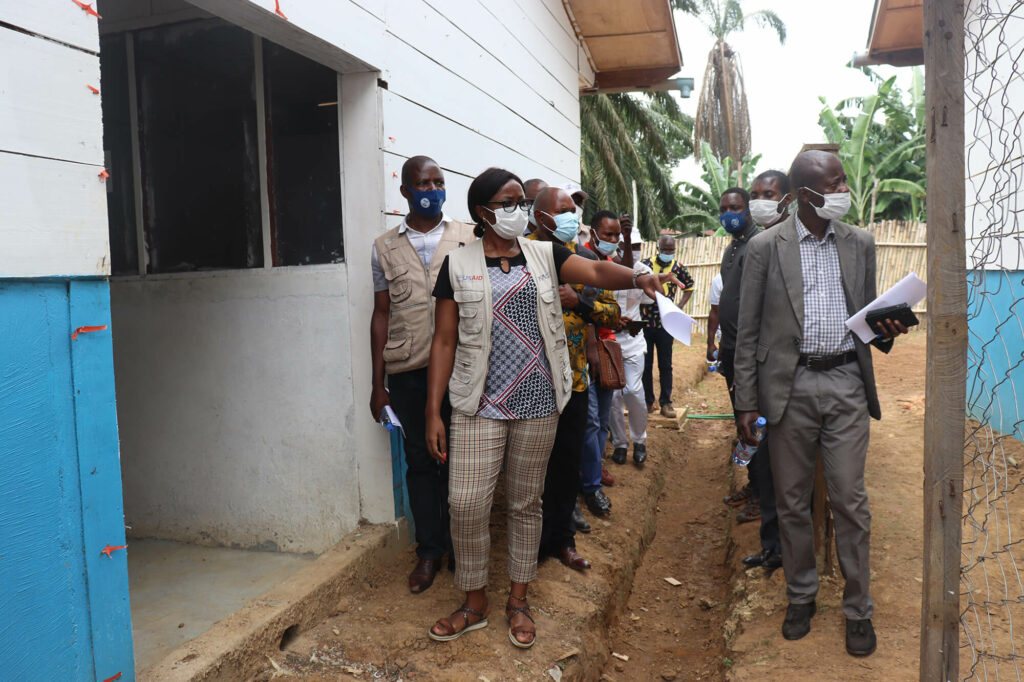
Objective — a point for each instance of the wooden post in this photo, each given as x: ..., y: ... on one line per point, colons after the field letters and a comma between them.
x: 945, y: 388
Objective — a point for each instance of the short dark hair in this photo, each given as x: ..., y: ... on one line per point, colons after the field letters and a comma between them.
x: 780, y: 178
x: 601, y: 215
x: 531, y: 182
x: 414, y: 163
x: 483, y: 187
x: 739, y: 190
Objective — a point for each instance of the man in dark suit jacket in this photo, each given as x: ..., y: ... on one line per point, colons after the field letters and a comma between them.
x: 798, y: 365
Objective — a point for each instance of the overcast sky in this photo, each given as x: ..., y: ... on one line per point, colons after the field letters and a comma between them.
x: 783, y: 82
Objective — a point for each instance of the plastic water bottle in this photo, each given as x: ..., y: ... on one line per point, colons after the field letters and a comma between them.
x: 386, y: 422
x: 713, y: 364
x: 743, y: 453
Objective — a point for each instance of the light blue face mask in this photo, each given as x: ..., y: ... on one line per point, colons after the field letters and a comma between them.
x: 606, y: 248
x: 567, y: 226
x: 666, y: 258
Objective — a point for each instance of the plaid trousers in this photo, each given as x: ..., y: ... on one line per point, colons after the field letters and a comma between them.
x: 477, y: 448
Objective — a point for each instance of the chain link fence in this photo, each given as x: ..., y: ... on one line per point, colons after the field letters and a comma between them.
x: 992, y: 560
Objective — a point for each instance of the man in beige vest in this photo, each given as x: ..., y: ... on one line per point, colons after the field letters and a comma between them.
x: 405, y: 262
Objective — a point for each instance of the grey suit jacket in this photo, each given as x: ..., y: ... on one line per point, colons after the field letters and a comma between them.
x: 772, y: 315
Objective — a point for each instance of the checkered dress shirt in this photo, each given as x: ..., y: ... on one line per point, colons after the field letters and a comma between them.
x: 825, y: 331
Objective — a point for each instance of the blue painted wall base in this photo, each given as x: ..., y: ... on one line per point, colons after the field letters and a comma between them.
x: 65, y: 609
x: 995, y: 375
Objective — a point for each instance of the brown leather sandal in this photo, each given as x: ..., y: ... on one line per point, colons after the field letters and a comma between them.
x: 513, y: 631
x: 454, y: 634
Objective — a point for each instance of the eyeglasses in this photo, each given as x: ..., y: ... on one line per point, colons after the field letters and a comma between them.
x: 510, y: 206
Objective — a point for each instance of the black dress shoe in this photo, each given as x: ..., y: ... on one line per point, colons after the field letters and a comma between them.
x: 598, y: 503
x: 860, y: 637
x: 579, y: 520
x: 639, y: 453
x: 619, y: 456
x: 765, y: 558
x: 422, y: 576
x: 571, y: 558
x: 798, y: 620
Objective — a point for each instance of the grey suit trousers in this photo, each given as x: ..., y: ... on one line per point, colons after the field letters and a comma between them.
x: 827, y: 410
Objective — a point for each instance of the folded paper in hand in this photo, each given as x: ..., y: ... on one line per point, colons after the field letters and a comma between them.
x: 675, y: 321
x: 909, y: 290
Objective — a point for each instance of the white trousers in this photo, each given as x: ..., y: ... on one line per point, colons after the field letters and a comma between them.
x: 632, y: 396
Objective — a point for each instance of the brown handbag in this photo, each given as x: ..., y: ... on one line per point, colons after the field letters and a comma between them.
x: 612, y: 372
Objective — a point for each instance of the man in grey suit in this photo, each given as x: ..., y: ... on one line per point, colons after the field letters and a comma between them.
x: 799, y: 366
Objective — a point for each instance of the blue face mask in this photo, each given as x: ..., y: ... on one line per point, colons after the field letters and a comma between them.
x: 606, y: 248
x: 733, y: 222
x: 567, y: 226
x: 666, y: 258
x: 427, y: 204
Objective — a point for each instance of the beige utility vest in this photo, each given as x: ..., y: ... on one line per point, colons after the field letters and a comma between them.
x: 410, y: 287
x: 467, y: 270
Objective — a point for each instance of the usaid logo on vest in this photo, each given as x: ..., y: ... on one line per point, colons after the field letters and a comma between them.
x: 468, y: 278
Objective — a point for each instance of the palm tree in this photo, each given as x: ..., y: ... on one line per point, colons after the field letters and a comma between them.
x: 723, y: 120
x: 627, y: 138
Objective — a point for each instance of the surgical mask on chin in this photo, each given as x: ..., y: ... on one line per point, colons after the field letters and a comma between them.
x: 764, y: 211
x: 606, y: 248
x: 509, y: 225
x: 733, y: 222
x: 567, y: 226
x: 666, y: 258
x: 836, y: 204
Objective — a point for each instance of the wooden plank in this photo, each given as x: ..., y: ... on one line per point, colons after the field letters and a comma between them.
x: 562, y: 43
x: 58, y: 20
x: 54, y: 220
x: 99, y: 467
x: 46, y: 108
x: 531, y: 124
x: 945, y: 388
x: 410, y: 129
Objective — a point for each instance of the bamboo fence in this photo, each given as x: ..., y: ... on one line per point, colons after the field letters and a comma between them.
x: 900, y: 249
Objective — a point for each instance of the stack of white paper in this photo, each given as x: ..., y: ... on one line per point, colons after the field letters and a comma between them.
x: 909, y: 290
x: 675, y: 321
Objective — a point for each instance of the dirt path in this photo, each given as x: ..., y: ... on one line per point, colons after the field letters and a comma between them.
x: 379, y: 630
x: 675, y: 632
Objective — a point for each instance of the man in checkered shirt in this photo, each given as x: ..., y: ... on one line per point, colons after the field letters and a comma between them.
x: 800, y: 367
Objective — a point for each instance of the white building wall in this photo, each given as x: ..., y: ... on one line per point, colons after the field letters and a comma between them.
x: 53, y: 213
x: 243, y: 395
x: 994, y: 108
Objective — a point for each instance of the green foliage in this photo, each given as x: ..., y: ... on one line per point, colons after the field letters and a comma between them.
x: 884, y: 159
x: 700, y: 202
x: 627, y: 138
x: 724, y: 18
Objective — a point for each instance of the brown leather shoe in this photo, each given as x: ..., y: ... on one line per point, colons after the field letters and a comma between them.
x: 571, y: 558
x: 422, y: 576
x: 606, y: 478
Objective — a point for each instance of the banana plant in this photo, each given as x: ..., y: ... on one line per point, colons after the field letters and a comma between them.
x: 700, y: 203
x: 880, y: 164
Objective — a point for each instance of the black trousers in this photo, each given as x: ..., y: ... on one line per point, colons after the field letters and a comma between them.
x: 562, y: 482
x: 426, y: 479
x: 759, y: 470
x: 661, y: 341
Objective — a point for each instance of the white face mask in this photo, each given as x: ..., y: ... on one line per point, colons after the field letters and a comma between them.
x: 836, y: 205
x: 764, y: 211
x: 509, y: 225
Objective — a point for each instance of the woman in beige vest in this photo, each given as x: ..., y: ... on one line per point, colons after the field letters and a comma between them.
x: 499, y: 348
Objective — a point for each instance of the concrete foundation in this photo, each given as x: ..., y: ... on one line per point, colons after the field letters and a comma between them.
x: 178, y: 590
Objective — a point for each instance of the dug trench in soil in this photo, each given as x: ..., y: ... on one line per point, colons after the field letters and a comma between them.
x: 672, y: 631
x: 379, y: 630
